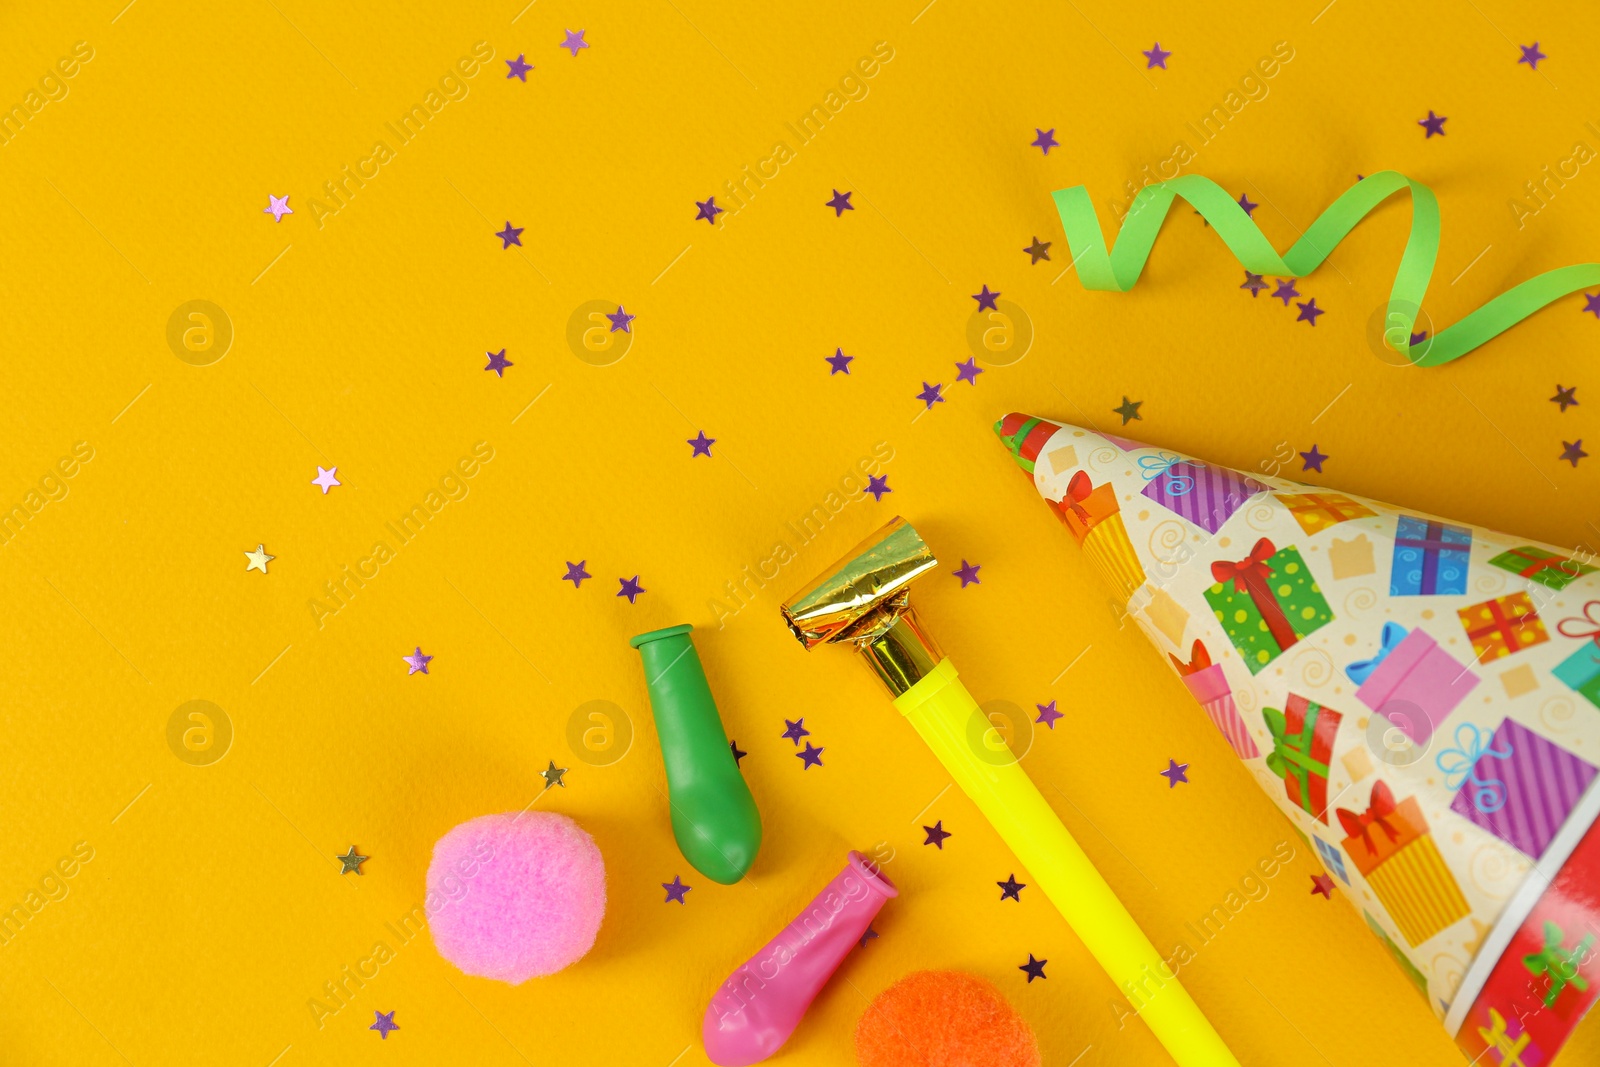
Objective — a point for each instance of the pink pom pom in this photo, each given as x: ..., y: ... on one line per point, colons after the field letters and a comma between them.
x: 515, y: 897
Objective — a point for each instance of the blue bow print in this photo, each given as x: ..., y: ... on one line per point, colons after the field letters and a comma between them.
x: 1161, y: 463
x: 1457, y: 763
x: 1361, y: 670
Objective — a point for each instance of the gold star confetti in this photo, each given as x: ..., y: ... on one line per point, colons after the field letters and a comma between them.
x: 258, y: 559
x: 552, y: 776
x: 352, y: 861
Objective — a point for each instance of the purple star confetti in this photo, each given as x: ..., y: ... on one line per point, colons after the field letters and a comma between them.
x: 1565, y: 397
x: 1156, y: 57
x: 810, y: 757
x: 1419, y: 337
x: 1254, y: 283
x: 576, y: 574
x: 986, y: 299
x: 620, y: 320
x: 574, y: 42
x: 1434, y: 124
x: 326, y: 479
x: 1048, y: 714
x: 630, y: 588
x: 1249, y: 208
x: 1045, y: 140
x: 1286, y: 291
x: 968, y: 372
x: 840, y: 203
x: 1574, y: 451
x: 839, y: 362
x: 511, y: 235
x: 519, y: 69
x: 877, y: 485
x: 1313, y: 460
x: 738, y: 753
x: 1531, y: 55
x: 930, y: 395
x: 1038, y: 250
x: 277, y: 207
x: 1129, y: 410
x: 1591, y: 304
x: 935, y: 835
x: 1308, y: 311
x: 385, y: 1023
x: 1175, y: 773
x: 794, y: 730
x: 498, y: 363
x: 701, y: 445
x: 675, y: 889
x: 1035, y: 968
x: 708, y: 210
x: 417, y: 662
x: 968, y: 574
x: 1011, y: 889
x: 870, y: 935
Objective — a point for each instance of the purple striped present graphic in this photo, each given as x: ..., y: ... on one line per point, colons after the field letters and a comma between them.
x: 1520, y: 787
x: 1204, y: 495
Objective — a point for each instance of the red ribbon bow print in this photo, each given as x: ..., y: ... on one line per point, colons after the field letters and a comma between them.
x: 1378, y: 814
x: 1240, y: 572
x: 1078, y: 490
x: 1587, y: 626
x: 1199, y: 660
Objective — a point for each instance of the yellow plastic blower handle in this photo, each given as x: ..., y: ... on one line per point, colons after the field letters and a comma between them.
x: 942, y: 711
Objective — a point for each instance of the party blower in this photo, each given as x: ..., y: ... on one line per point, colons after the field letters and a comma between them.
x: 866, y: 601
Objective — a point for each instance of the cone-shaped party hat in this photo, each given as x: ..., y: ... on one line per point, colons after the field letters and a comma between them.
x: 1420, y: 697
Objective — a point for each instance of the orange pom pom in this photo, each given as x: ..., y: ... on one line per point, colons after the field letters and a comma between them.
x: 943, y: 1019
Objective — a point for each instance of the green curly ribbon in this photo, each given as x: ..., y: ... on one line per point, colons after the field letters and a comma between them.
x: 1119, y: 270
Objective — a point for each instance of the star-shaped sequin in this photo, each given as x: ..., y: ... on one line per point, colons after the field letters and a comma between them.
x: 1034, y: 968
x: 326, y: 479
x: 1129, y: 410
x: 840, y: 203
x: 1175, y: 773
x: 417, y: 662
x: 574, y: 42
x: 1011, y: 889
x: 1531, y: 55
x: 620, y: 319
x: 552, y: 775
x: 1286, y: 291
x: 576, y: 574
x: 1574, y: 451
x: 738, y: 753
x: 1249, y: 208
x: 675, y: 889
x: 986, y: 299
x: 968, y: 574
x: 930, y: 395
x: 1591, y: 304
x: 935, y: 835
x: 1045, y: 139
x: 1254, y: 283
x: 1564, y: 397
x: 259, y: 558
x: 1313, y: 460
x: 870, y: 935
x: 701, y: 445
x: 1434, y: 124
x: 1156, y: 56
x: 498, y: 363
x: 811, y: 756
x: 968, y: 372
x: 839, y: 363
x: 511, y: 235
x: 630, y: 588
x: 351, y: 861
x: 794, y: 730
x: 1321, y: 883
x: 1308, y: 311
x: 877, y: 485
x: 385, y: 1023
x: 277, y: 207
x: 1048, y: 714
x: 1038, y: 250
x: 708, y: 210
x: 519, y: 69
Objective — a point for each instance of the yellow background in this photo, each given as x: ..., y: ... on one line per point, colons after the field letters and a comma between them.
x: 213, y: 910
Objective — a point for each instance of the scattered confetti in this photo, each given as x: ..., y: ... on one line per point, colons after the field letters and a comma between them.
x: 701, y: 445
x: 326, y: 479
x: 877, y: 485
x: 1038, y: 250
x: 675, y: 889
x: 1048, y: 714
x: 1313, y: 460
x: 1011, y: 889
x: 576, y: 574
x: 574, y: 42
x: 1321, y: 883
x: 839, y: 362
x: 810, y: 757
x: 708, y: 210
x: 1129, y: 410
x: 1045, y: 140
x: 277, y: 207
x: 553, y: 775
x: 511, y: 235
x: 1309, y: 311
x: 630, y: 588
x: 1574, y: 451
x: 1035, y: 968
x: 1530, y: 55
x: 968, y: 372
x: 795, y: 730
x: 620, y: 320
x: 1286, y: 291
x: 870, y: 935
x: 840, y: 203
x: 384, y: 1024
x: 1156, y: 57
x: 1434, y: 124
x: 986, y: 299
x: 930, y: 394
x: 1249, y: 208
x: 519, y: 69
x: 498, y: 363
x: 1591, y: 304
x: 351, y: 861
x: 417, y: 662
x: 1254, y: 283
x: 1564, y: 397
x: 968, y: 574
x: 738, y: 753
x: 1175, y: 773
x: 259, y: 558
x: 1418, y: 338
x: 936, y: 835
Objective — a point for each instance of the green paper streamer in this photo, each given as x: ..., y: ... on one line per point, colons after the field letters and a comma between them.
x: 1120, y: 269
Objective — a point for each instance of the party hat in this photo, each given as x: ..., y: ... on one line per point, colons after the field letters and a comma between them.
x: 1419, y: 696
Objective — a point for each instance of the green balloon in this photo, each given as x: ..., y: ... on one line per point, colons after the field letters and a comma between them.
x: 714, y: 817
